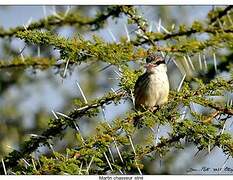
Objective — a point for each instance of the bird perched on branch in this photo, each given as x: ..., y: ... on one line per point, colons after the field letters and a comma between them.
x: 152, y: 88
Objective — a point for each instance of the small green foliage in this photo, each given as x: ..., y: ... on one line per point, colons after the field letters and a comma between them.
x: 182, y: 28
x: 135, y: 17
x: 197, y: 26
x: 35, y: 62
x: 61, y: 165
x: 226, y: 143
x: 129, y: 78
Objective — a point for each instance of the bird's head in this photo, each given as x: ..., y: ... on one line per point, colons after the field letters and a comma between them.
x: 155, y: 63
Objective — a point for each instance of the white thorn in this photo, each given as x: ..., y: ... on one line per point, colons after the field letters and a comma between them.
x: 190, y: 62
x: 104, y: 68
x: 138, y: 168
x: 81, y: 91
x: 89, y: 165
x: 29, y: 22
x: 109, y: 164
x: 231, y: 125
x: 54, y: 12
x: 120, y: 70
x: 121, y: 172
x: 231, y: 102
x: 229, y: 18
x: 205, y: 63
x: 38, y: 162
x: 26, y: 162
x: 61, y: 114
x: 186, y: 62
x: 112, y: 35
x: 79, y: 109
x: 223, y: 128
x: 25, y: 27
x: 177, y: 66
x: 220, y: 24
x: 78, y: 130
x: 173, y: 26
x: 215, y: 62
x: 76, y: 127
x: 127, y: 33
x: 225, y: 162
x: 44, y: 11
x: 165, y: 30
x: 132, y: 96
x: 38, y: 51
x: 103, y: 113
x: 118, y: 151
x: 22, y: 57
x: 157, y: 135
x: 36, y: 135
x: 118, y: 74
x: 181, y: 82
x: 184, y: 113
x: 67, y: 155
x: 51, y: 147
x: 208, y: 148
x: 110, y: 152
x: 131, y: 143
x: 80, y: 169
x: 152, y: 130
x: 55, y: 115
x: 140, y: 33
x: 200, y: 62
x: 151, y: 27
x: 65, y: 70
x: 162, y: 54
x: 10, y: 147
x: 21, y: 53
x: 67, y: 10
x: 4, y: 167
x: 193, y: 106
x: 159, y: 26
x: 113, y: 91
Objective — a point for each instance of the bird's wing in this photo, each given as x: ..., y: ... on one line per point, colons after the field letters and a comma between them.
x: 140, y: 89
x: 140, y: 81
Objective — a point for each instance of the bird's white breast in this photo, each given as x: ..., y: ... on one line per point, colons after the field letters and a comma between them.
x: 158, y: 88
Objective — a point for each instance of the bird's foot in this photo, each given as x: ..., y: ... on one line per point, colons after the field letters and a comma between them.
x: 154, y: 108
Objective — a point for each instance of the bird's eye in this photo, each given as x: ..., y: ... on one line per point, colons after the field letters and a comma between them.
x: 156, y: 60
x: 159, y: 62
x: 148, y: 60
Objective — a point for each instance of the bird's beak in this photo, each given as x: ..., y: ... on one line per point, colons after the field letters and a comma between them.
x: 149, y: 65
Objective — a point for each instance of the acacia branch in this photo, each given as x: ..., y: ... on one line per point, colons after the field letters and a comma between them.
x: 70, y: 19
x: 151, y: 37
x: 227, y: 146
x: 31, y: 145
x: 80, y: 49
x: 26, y: 62
x: 216, y: 107
x: 35, y: 62
x: 221, y: 14
x: 188, y: 32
